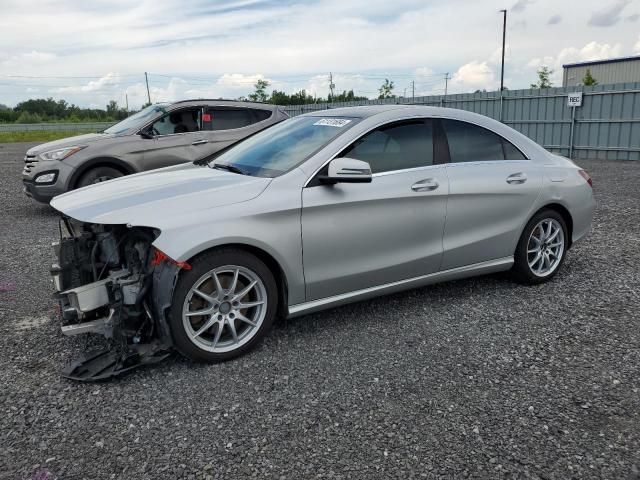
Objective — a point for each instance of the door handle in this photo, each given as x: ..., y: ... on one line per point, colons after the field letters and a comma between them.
x: 425, y: 185
x: 517, y: 178
x: 200, y: 142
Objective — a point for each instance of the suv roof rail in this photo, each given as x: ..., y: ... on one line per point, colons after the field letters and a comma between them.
x: 221, y: 100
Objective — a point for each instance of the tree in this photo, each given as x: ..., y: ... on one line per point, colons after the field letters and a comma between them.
x: 348, y: 96
x: 588, y: 80
x: 544, y: 74
x: 112, y: 107
x: 386, y: 90
x: 260, y: 93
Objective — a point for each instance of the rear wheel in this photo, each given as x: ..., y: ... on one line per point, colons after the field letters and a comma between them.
x: 542, y: 248
x: 98, y: 175
x: 223, y: 306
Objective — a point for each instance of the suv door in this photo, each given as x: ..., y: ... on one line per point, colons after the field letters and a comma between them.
x: 223, y: 125
x: 492, y: 189
x: 177, y: 138
x: 357, y: 236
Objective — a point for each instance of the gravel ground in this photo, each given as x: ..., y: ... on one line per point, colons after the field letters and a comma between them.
x: 478, y: 378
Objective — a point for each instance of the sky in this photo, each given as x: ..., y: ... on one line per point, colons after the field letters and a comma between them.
x: 98, y: 50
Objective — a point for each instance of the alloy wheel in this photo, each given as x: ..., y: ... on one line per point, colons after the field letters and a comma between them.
x: 545, y: 247
x: 224, y: 309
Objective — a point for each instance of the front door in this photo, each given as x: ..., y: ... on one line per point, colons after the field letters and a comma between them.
x: 178, y: 138
x: 357, y: 236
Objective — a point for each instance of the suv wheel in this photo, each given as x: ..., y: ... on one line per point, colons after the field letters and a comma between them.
x: 98, y: 175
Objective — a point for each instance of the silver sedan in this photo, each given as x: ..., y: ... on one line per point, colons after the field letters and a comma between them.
x: 320, y: 210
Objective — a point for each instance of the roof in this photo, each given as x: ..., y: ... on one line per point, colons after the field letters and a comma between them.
x: 364, y: 111
x: 602, y: 62
x: 223, y: 101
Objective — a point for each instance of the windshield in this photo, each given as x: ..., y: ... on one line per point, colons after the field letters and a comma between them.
x: 137, y: 119
x: 284, y: 146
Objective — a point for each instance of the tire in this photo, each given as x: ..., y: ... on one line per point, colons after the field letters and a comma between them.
x: 530, y: 266
x: 98, y: 175
x: 210, y: 337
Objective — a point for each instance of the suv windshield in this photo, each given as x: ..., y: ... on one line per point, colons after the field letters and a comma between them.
x: 282, y: 147
x: 137, y: 119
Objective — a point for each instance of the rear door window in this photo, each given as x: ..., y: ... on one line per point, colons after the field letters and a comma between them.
x: 226, y: 118
x: 472, y: 143
x: 259, y: 115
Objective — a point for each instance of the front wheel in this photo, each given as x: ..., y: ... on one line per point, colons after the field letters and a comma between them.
x: 542, y: 248
x: 223, y: 306
x: 98, y: 175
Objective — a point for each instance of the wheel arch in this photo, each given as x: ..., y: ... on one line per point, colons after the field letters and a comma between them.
x: 564, y: 213
x: 268, y: 259
x: 120, y: 165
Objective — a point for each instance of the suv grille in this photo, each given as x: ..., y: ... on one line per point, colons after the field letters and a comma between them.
x: 30, y: 161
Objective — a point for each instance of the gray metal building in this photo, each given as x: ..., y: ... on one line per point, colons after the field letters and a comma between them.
x: 613, y: 70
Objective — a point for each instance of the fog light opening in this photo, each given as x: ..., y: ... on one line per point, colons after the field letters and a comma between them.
x: 46, y: 177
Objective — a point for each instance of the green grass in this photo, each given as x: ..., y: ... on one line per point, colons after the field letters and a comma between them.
x: 37, y: 136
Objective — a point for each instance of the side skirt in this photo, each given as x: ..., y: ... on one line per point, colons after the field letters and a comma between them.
x: 481, y: 268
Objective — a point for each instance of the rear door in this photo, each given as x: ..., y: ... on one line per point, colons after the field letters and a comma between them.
x: 224, y: 125
x: 492, y: 189
x: 357, y: 236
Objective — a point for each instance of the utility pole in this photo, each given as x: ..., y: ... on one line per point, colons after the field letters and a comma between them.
x: 146, y: 78
x: 331, y: 85
x: 413, y: 90
x: 504, y: 37
x: 126, y: 101
x: 446, y: 85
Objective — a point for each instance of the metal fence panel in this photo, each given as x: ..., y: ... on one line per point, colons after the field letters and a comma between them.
x: 55, y: 127
x: 607, y: 125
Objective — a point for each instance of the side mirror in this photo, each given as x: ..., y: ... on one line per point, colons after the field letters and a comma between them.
x: 347, y: 170
x: 146, y: 135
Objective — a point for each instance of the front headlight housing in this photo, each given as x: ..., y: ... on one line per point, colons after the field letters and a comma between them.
x: 61, y: 153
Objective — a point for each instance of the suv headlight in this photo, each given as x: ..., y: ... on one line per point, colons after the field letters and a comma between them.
x: 61, y: 153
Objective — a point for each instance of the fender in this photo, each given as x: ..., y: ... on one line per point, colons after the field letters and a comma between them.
x: 121, y: 165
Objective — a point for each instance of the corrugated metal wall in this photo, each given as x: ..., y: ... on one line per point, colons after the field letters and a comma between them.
x: 604, y: 73
x: 606, y: 126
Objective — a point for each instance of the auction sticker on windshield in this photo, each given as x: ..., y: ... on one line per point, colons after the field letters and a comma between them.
x: 333, y: 122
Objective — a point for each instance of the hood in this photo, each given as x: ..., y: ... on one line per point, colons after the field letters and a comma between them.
x: 69, y: 142
x: 157, y: 198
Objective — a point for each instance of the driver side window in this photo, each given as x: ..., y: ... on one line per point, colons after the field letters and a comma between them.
x: 179, y: 121
x: 396, y: 146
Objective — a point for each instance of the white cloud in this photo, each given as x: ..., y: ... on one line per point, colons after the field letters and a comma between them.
x: 473, y: 76
x: 218, y: 49
x: 241, y: 80
x: 109, y: 80
x: 636, y: 47
x: 33, y: 58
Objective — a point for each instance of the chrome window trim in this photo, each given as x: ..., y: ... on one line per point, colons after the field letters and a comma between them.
x: 407, y: 170
x: 486, y: 162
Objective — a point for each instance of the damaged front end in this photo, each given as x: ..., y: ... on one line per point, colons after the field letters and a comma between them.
x: 112, y: 282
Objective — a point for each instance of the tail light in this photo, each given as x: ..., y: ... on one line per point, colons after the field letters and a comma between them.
x: 587, y: 177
